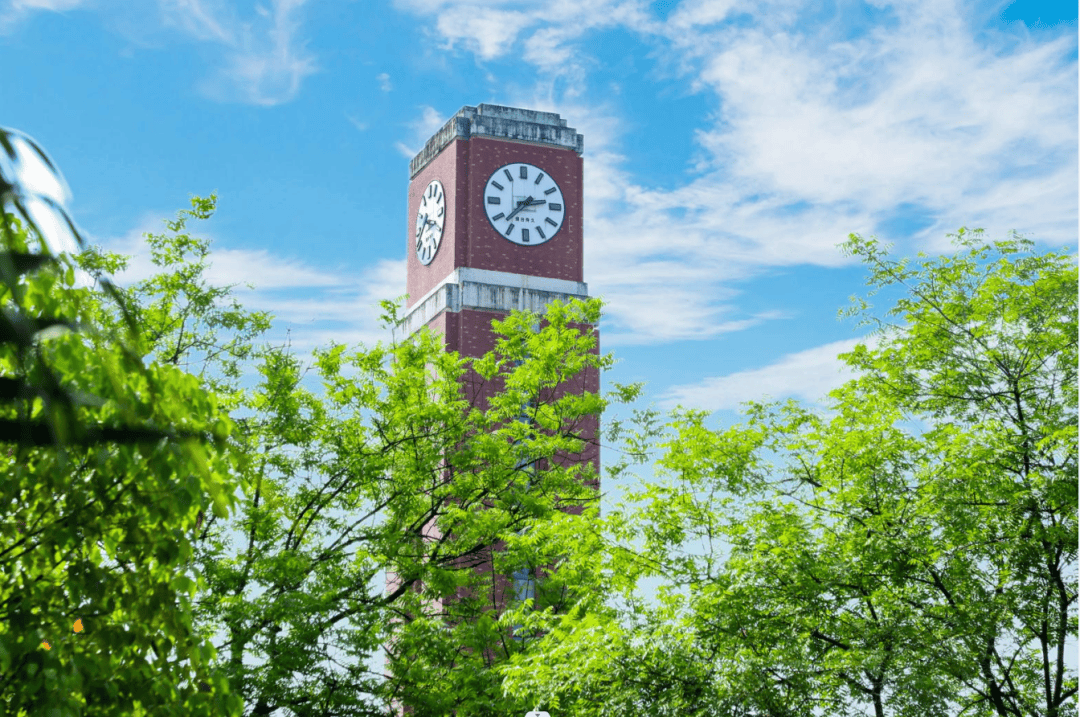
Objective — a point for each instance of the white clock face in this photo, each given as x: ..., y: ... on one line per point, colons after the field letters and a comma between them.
x: 524, y: 204
x: 430, y: 218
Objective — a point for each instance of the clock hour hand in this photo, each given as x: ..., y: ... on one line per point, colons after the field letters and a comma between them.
x: 521, y: 205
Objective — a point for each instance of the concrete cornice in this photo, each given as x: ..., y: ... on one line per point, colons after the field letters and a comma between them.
x: 531, y: 126
x: 484, y: 290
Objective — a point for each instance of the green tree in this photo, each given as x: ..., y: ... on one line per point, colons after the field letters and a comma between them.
x: 389, y: 469
x: 106, y: 462
x: 182, y: 320
x: 394, y: 470
x: 911, y: 571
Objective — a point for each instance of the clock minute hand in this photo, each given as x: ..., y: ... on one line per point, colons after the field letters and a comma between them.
x: 521, y: 205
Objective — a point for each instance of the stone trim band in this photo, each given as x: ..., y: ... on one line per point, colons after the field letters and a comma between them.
x: 484, y: 290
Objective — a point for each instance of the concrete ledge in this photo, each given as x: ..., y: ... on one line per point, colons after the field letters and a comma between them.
x: 485, y: 290
x: 503, y: 122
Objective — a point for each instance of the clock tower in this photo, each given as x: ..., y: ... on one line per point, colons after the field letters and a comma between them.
x: 495, y: 224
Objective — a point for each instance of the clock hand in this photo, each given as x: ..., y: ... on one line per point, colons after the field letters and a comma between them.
x: 521, y: 205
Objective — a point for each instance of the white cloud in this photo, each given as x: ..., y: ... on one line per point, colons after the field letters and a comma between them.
x: 543, y: 34
x: 361, y: 126
x: 821, y: 130
x: 421, y: 128
x: 918, y: 114
x: 487, y: 34
x: 806, y: 375
x: 322, y: 306
x: 207, y: 20
x: 384, y: 82
x: 15, y: 11
x: 317, y: 304
x: 262, y: 61
x: 937, y: 115
x: 226, y: 266
x: 268, y: 272
x: 691, y: 13
x: 265, y: 63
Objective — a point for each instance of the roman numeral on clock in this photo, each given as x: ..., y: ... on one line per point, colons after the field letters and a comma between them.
x: 496, y: 185
x: 509, y: 230
x: 541, y: 176
x: 551, y: 221
x: 524, y: 234
x: 508, y: 176
x: 556, y: 207
x: 494, y: 200
x: 541, y: 233
x: 500, y: 215
x: 549, y: 191
x: 524, y: 171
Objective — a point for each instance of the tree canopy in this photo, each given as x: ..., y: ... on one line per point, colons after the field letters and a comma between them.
x: 220, y: 534
x: 912, y: 551
x: 107, y: 463
x: 390, y: 469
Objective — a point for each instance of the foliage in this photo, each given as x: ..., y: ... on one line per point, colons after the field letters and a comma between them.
x: 914, y: 552
x: 390, y: 469
x: 184, y: 321
x: 106, y: 466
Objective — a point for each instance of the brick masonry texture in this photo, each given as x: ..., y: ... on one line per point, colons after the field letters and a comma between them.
x: 463, y: 167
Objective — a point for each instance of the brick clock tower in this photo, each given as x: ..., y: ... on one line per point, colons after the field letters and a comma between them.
x: 495, y: 224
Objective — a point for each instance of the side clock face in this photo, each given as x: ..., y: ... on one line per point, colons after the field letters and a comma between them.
x: 524, y: 204
x: 430, y: 218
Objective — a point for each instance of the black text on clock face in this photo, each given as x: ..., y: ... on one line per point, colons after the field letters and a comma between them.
x: 524, y: 204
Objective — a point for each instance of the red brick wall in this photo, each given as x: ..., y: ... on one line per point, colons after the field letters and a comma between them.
x: 469, y: 333
x: 464, y: 167
x: 469, y: 240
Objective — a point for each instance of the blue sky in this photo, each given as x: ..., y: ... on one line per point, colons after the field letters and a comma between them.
x: 729, y: 146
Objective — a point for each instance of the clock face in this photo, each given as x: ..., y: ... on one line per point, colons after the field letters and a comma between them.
x: 430, y: 218
x: 524, y: 204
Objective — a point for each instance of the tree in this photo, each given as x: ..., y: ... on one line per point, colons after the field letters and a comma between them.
x: 390, y: 469
x: 422, y: 489
x: 106, y: 462
x: 911, y: 571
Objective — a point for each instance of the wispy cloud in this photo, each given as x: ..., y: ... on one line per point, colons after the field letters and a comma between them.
x: 264, y: 60
x: 548, y: 32
x: 384, y: 82
x: 318, y: 305
x: 807, y: 375
x: 261, y: 59
x: 822, y: 128
x: 206, y: 20
x: 421, y: 129
x: 14, y: 12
